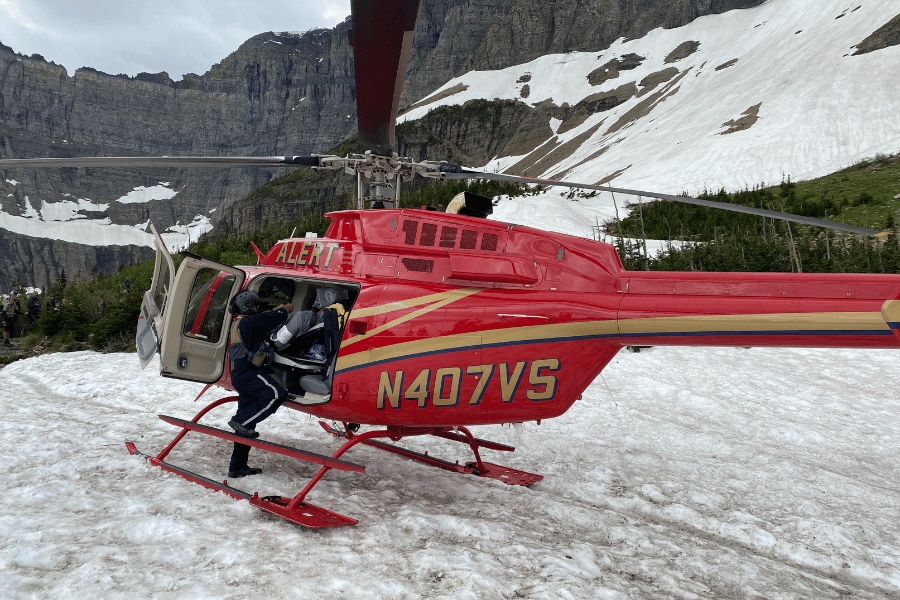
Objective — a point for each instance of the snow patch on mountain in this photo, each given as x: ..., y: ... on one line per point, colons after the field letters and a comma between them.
x: 821, y: 109
x: 143, y: 194
x: 77, y: 221
x: 68, y: 210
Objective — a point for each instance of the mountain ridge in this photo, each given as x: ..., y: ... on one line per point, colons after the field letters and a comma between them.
x: 285, y: 93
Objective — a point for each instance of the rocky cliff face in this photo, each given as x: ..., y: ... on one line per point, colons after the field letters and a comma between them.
x: 276, y: 94
x: 457, y: 36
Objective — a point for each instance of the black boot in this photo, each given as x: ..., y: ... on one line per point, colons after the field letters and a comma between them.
x: 244, y: 472
x: 242, y: 431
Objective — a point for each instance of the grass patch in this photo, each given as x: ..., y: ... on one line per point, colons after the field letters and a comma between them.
x: 876, y: 181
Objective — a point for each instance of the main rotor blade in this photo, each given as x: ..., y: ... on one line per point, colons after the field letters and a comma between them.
x: 381, y: 37
x: 454, y: 172
x: 161, y: 161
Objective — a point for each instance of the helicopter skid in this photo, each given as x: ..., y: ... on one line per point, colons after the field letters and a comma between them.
x: 296, y: 509
x: 189, y: 475
x: 305, y: 514
x: 478, y: 467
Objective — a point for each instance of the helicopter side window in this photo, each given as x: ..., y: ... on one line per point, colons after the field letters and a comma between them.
x: 209, y: 302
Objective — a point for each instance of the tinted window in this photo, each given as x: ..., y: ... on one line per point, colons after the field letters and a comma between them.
x: 209, y: 300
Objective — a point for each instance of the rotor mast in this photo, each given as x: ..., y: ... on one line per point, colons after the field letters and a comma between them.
x: 382, y: 36
x: 378, y: 181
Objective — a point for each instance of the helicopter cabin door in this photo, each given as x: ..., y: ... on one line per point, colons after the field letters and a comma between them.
x: 195, y: 329
x: 153, y: 307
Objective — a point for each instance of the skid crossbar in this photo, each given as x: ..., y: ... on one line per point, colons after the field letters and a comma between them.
x: 478, y: 467
x: 264, y: 445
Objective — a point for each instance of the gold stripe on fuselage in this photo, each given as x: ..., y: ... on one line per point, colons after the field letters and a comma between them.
x: 787, y: 323
x: 531, y: 334
x: 436, y: 300
x: 782, y: 322
x: 451, y: 295
x: 890, y: 310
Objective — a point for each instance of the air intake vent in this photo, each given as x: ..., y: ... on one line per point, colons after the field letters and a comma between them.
x: 489, y: 242
x: 448, y: 237
x: 468, y: 239
x: 418, y: 265
x: 429, y: 233
x: 410, y: 228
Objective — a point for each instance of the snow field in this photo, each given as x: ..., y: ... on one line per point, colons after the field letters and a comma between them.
x: 683, y: 472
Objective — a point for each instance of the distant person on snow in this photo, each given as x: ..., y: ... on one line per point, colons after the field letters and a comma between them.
x: 11, y: 312
x: 34, y: 306
x: 259, y: 394
x: 6, y: 328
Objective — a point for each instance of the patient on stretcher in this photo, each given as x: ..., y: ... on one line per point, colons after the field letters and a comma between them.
x: 308, y: 322
x: 302, y: 350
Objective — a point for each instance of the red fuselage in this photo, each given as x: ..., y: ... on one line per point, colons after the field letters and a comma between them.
x: 465, y: 321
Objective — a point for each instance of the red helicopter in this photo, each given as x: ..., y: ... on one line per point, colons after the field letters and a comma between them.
x: 456, y: 320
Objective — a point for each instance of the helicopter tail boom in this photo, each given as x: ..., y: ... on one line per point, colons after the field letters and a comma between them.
x: 764, y: 309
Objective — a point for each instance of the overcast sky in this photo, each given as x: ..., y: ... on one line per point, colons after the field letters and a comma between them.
x: 176, y: 36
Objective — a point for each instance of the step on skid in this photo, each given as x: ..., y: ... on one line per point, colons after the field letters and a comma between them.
x: 312, y: 457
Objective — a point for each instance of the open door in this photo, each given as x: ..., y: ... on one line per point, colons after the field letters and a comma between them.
x: 196, y: 320
x: 153, y: 307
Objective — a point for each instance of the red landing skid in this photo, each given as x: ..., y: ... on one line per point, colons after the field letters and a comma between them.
x: 295, y: 509
x: 479, y: 467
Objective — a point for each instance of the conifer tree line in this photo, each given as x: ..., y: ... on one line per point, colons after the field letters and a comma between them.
x: 800, y: 251
x: 92, y: 312
x: 706, y: 239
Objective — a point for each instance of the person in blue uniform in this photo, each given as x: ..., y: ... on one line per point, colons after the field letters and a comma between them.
x: 259, y: 394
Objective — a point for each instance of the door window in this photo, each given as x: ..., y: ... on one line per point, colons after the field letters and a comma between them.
x: 208, y: 303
